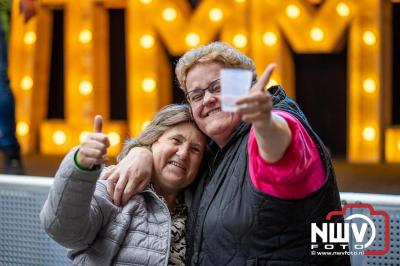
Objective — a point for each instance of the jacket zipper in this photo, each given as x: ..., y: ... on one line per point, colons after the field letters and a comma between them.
x: 169, y: 225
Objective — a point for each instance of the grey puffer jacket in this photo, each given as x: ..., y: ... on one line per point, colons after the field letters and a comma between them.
x: 80, y: 215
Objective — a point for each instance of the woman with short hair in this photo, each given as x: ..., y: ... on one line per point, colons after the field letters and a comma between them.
x: 269, y: 178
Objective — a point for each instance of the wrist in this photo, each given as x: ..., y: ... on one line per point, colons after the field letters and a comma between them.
x: 80, y: 166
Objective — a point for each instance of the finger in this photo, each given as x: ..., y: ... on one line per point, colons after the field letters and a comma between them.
x: 93, y: 153
x: 119, y: 189
x: 98, y: 124
x: 132, y: 188
x: 263, y: 81
x: 99, y: 137
x: 140, y: 187
x: 111, y: 182
x: 251, y: 118
x: 90, y: 161
x: 254, y: 97
x: 107, y: 172
x: 262, y: 108
x: 97, y: 145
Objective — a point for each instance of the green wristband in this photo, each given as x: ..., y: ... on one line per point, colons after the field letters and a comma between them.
x: 80, y: 166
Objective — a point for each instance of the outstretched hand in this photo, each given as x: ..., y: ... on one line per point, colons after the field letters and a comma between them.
x: 93, y: 149
x: 272, y: 132
x: 258, y: 104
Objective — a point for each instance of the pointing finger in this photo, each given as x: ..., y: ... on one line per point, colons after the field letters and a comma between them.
x: 263, y: 81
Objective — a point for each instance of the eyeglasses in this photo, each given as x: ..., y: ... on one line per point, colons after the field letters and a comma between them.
x: 197, y: 95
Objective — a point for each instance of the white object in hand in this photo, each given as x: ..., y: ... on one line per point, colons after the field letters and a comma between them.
x: 235, y: 83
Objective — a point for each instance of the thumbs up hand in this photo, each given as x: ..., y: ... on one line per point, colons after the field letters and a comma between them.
x: 93, y: 149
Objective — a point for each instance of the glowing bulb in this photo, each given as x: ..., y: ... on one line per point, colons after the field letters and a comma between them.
x: 240, y: 40
x: 398, y: 145
x: 342, y: 9
x: 26, y: 83
x: 85, y: 87
x: 147, y: 41
x: 317, y: 34
x: 192, y: 39
x: 59, y: 137
x: 145, y: 2
x: 29, y: 38
x: 215, y: 14
x: 169, y: 14
x: 369, y: 38
x: 369, y: 85
x: 22, y: 128
x: 114, y: 138
x: 240, y: 1
x: 292, y: 11
x: 369, y: 133
x: 148, y: 84
x: 145, y: 124
x: 85, y: 36
x: 83, y: 135
x: 270, y: 38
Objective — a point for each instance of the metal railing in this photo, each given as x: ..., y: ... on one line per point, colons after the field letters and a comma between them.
x: 24, y: 242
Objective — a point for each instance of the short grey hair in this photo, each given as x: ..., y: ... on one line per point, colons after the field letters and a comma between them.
x: 168, y: 117
x: 215, y: 52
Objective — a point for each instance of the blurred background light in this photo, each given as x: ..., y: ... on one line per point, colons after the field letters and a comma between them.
x: 22, y: 128
x: 145, y: 124
x: 26, y: 83
x: 192, y: 39
x: 369, y: 85
x: 85, y: 87
x: 147, y: 41
x: 85, y: 36
x: 169, y: 14
x: 369, y: 133
x: 369, y: 38
x: 270, y: 38
x: 240, y: 40
x: 316, y: 34
x: 292, y: 11
x: 215, y: 14
x: 148, y: 84
x: 29, y: 38
x: 114, y: 138
x: 342, y: 9
x: 83, y: 135
x: 59, y: 137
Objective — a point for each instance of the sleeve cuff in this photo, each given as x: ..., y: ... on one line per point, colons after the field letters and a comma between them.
x: 83, y: 168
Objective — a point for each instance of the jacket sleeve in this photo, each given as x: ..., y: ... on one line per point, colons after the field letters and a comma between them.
x: 73, y: 212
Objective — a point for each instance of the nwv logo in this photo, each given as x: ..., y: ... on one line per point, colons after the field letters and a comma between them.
x: 333, y: 235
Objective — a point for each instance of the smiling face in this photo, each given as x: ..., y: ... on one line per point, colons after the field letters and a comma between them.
x: 207, y: 113
x: 177, y: 157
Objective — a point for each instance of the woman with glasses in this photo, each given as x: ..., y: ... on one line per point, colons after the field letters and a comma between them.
x: 268, y: 179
